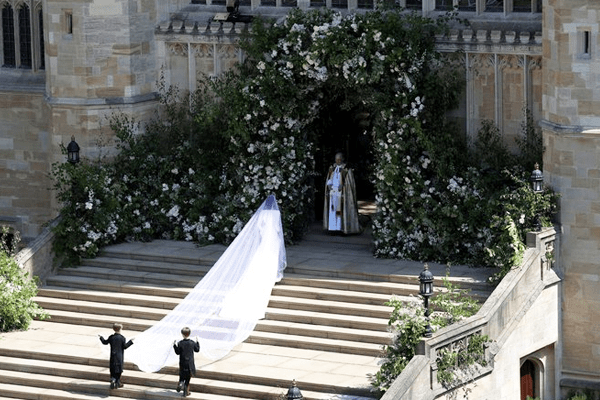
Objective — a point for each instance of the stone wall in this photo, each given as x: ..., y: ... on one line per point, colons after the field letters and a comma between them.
x: 25, y: 156
x: 571, y: 103
x: 108, y: 52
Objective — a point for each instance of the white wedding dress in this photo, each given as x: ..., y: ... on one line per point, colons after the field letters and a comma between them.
x: 225, y: 306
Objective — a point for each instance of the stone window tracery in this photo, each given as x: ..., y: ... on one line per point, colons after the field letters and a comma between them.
x: 8, y: 37
x: 25, y: 36
x: 22, y: 34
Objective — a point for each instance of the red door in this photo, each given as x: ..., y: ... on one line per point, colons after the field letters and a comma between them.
x: 527, y: 380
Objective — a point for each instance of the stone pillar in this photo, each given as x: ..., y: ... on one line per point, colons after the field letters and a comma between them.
x: 571, y: 128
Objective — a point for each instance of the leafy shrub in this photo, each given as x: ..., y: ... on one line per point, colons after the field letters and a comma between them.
x: 17, y: 289
x: 408, y: 323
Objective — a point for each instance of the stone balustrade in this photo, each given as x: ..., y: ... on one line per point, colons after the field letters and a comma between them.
x: 498, y: 317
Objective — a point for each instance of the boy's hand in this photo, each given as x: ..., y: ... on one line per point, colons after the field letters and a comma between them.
x: 197, y: 339
x: 174, y: 342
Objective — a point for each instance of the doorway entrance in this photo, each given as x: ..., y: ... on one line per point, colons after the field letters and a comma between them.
x: 528, y: 380
x: 348, y: 132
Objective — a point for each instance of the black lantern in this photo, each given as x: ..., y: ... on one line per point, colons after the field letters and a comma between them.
x: 73, y: 151
x: 426, y: 290
x: 293, y: 392
x: 537, y: 180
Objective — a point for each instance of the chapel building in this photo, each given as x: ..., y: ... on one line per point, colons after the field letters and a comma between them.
x: 66, y: 66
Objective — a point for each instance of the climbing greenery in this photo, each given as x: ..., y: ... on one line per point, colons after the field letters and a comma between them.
x: 407, y: 322
x: 199, y: 169
x: 17, y: 290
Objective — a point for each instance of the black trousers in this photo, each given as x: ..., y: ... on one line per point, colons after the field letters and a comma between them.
x: 116, y: 375
x: 185, y: 378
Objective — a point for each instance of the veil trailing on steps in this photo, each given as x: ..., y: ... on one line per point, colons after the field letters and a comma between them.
x: 225, y: 306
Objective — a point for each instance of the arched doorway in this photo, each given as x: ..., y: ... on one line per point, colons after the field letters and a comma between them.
x: 528, y: 380
x: 348, y: 132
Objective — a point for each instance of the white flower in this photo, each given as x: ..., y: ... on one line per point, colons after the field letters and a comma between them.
x: 89, y: 205
x: 175, y: 171
x: 262, y: 103
x: 173, y: 212
x: 191, y: 171
x: 522, y: 219
x: 261, y: 66
x: 248, y: 117
x: 147, y: 225
x: 165, y: 187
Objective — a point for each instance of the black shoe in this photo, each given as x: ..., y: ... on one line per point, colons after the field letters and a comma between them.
x: 120, y: 384
x: 179, y: 387
x: 113, y: 384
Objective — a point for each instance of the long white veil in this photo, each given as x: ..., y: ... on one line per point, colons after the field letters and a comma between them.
x: 224, y: 307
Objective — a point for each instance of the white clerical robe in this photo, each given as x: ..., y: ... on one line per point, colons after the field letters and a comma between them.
x: 340, y: 211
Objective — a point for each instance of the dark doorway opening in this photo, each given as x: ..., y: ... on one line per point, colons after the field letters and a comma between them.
x: 348, y: 132
x: 528, y: 380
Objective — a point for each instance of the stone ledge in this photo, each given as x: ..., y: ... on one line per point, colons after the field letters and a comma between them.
x: 74, y: 101
x: 577, y: 130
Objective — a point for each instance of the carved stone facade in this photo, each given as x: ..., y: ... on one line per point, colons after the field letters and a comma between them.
x: 81, y: 60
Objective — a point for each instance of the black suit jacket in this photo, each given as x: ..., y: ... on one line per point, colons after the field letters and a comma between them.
x: 118, y: 344
x: 185, y: 350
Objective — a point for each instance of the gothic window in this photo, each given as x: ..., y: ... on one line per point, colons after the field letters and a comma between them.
x: 41, y: 33
x: 466, y: 5
x: 522, y: 5
x: 22, y: 39
x: 414, y: 4
x: 289, y: 3
x: 339, y: 3
x: 494, y: 5
x: 443, y: 5
x: 25, y: 36
x: 317, y: 3
x: 8, y: 37
x: 365, y: 4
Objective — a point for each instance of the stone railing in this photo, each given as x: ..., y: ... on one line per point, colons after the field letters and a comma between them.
x: 37, y: 258
x: 497, y: 318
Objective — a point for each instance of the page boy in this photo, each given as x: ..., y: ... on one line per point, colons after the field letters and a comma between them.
x: 185, y: 350
x: 118, y: 344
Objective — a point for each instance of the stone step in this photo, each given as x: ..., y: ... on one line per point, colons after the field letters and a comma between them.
x: 136, y: 384
x: 157, y: 250
x: 276, y: 314
x: 307, y: 304
x: 51, y: 305
x: 197, y: 270
x: 163, y: 279
x: 367, y: 286
x: 113, y: 296
x: 26, y: 359
x: 69, y: 282
x: 258, y: 337
x: 306, y: 269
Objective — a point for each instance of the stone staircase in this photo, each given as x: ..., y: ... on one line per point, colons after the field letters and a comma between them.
x: 325, y: 325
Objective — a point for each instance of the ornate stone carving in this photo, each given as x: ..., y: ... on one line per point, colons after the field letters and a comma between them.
x: 178, y: 49
x: 203, y: 50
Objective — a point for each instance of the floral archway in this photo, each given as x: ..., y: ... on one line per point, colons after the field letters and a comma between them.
x: 202, y: 167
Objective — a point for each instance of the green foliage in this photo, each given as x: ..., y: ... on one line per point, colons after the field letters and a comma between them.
x: 17, y: 290
x: 531, y: 143
x: 407, y: 322
x: 490, y: 150
x: 455, y: 303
